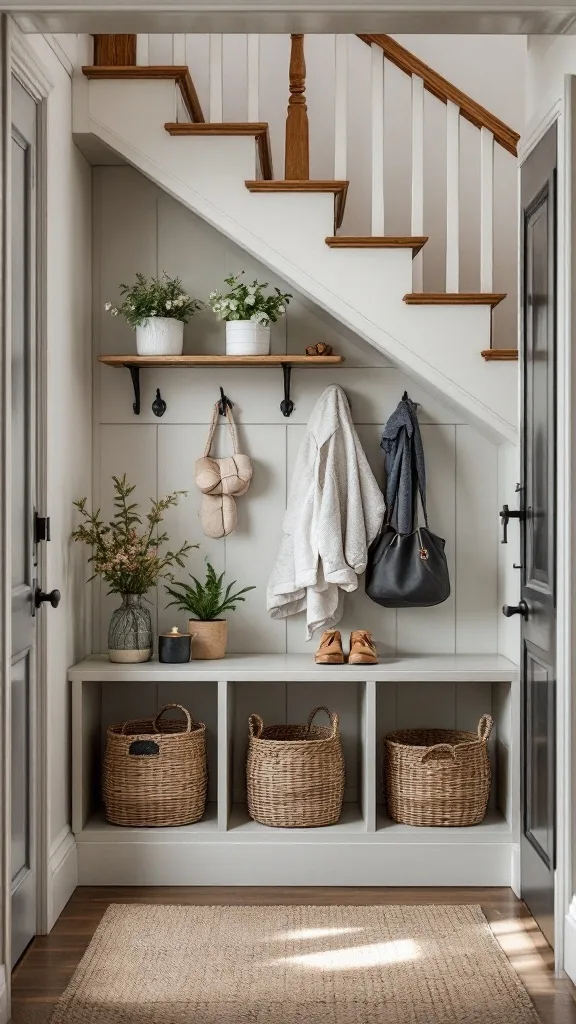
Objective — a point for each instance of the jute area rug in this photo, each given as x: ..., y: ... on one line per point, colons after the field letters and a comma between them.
x: 294, y: 965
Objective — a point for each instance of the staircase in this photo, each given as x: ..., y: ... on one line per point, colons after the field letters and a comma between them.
x: 373, y: 283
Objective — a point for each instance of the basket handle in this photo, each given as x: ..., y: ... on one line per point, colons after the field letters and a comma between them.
x: 135, y: 721
x: 180, y: 708
x: 255, y: 725
x: 485, y: 726
x: 334, y: 720
x: 446, y: 747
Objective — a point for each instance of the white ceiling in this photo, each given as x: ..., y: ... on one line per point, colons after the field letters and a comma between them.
x: 523, y: 17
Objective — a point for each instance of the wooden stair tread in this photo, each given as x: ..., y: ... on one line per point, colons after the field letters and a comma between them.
x: 500, y: 355
x: 377, y: 242
x: 257, y: 129
x: 339, y: 188
x: 271, y: 360
x: 179, y: 74
x: 454, y: 298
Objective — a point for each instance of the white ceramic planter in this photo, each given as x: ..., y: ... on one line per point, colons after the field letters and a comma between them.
x: 160, y: 336
x: 246, y: 338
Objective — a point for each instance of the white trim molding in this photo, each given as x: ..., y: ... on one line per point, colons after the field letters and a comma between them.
x: 3, y: 996
x: 62, y: 875
x: 27, y: 67
x: 570, y: 941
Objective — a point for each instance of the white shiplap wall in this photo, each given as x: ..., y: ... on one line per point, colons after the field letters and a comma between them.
x: 138, y: 227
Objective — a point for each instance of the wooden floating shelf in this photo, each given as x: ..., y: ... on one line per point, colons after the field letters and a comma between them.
x: 136, y: 363
x: 280, y: 360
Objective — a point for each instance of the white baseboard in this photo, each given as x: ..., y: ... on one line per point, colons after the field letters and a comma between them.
x: 570, y: 942
x: 515, y: 870
x: 62, y: 875
x: 175, y: 862
x: 3, y: 996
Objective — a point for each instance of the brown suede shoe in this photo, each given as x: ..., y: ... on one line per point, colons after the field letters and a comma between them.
x: 362, y: 648
x: 330, y: 651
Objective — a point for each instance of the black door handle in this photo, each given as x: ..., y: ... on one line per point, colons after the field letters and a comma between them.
x: 516, y: 609
x: 53, y: 597
x: 506, y: 515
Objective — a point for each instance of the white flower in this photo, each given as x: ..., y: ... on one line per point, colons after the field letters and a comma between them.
x: 281, y: 309
x: 213, y: 295
x: 251, y: 289
x: 233, y: 304
x: 183, y: 298
x: 114, y: 312
x: 168, y: 304
x: 107, y: 305
x: 153, y: 312
x: 249, y: 300
x: 132, y: 307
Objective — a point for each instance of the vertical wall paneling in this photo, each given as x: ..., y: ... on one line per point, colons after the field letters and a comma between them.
x: 216, y: 87
x: 486, y: 210
x: 341, y: 107
x: 142, y: 49
x: 377, y: 140
x: 476, y: 543
x: 452, y: 197
x: 417, y: 197
x: 253, y: 63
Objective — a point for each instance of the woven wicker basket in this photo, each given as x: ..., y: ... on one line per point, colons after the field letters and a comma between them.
x: 437, y: 776
x: 295, y: 773
x: 155, y: 771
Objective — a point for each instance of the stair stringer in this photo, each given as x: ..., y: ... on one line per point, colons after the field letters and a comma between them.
x: 438, y: 346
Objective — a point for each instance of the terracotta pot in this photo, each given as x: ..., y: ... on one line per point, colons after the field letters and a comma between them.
x: 208, y: 638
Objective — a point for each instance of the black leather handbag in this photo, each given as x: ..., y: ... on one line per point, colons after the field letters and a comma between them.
x: 408, y: 570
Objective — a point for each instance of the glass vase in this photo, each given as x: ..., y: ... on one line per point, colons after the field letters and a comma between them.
x: 130, y: 631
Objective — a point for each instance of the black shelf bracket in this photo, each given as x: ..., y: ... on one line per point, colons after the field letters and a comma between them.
x: 286, y: 405
x: 135, y: 375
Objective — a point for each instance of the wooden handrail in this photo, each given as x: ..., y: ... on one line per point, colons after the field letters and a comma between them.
x: 445, y: 91
x: 296, y: 157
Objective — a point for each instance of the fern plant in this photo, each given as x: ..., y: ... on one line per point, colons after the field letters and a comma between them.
x: 206, y: 601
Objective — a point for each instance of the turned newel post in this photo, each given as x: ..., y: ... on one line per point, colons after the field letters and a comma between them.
x: 297, y: 161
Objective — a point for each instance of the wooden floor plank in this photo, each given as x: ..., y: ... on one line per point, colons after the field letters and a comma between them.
x: 50, y: 961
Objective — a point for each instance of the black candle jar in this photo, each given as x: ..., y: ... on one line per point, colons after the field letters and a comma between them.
x: 174, y: 648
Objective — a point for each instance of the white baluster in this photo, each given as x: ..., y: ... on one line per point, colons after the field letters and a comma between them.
x: 216, y: 77
x: 452, y: 197
x: 253, y: 76
x: 142, y: 50
x: 340, y: 107
x: 179, y: 50
x: 377, y: 140
x: 486, y: 210
x: 417, y: 218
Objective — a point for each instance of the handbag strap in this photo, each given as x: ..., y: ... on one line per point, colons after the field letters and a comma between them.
x: 421, y: 481
x: 212, y: 429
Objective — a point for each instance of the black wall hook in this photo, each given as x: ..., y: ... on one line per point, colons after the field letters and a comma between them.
x: 406, y: 398
x: 158, y: 405
x: 224, y: 403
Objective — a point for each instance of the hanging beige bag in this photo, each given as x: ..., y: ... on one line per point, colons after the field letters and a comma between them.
x: 221, y: 481
x: 230, y: 475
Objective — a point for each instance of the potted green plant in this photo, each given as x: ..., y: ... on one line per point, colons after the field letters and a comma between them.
x: 128, y: 560
x: 248, y: 313
x: 157, y: 308
x: 207, y: 602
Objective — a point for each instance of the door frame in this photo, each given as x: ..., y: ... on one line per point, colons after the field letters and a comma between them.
x: 563, y: 111
x: 19, y: 59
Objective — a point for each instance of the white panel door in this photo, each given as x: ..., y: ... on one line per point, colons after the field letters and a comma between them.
x: 22, y: 488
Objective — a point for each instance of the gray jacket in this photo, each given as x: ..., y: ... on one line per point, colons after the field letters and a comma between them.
x: 405, y: 468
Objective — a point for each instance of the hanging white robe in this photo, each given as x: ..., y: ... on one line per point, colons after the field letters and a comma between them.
x: 335, y: 511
